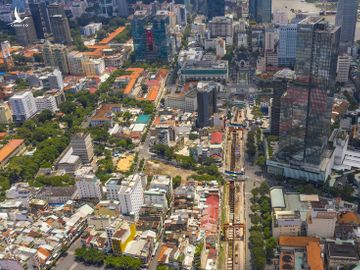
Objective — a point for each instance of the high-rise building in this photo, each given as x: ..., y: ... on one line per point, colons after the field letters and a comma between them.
x: 113, y: 186
x: 106, y: 8
x: 270, y: 39
x: 59, y: 24
x: 41, y: 19
x: 23, y: 106
x: 317, y: 49
x: 75, y: 63
x: 278, y: 87
x: 131, y: 194
x: 215, y: 8
x: 61, y: 29
x: 83, y: 147
x: 6, y: 55
x: 151, y: 36
x: 55, y: 80
x: 87, y: 184
x: 46, y: 102
x: 221, y: 27
x: 18, y: 4
x: 25, y: 31
x: 305, y: 112
x: 206, y: 102
x: 260, y: 10
x: 56, y: 9
x: 343, y: 68
x: 93, y: 67
x: 122, y: 8
x: 161, y: 36
x: 181, y: 14
x: 287, y: 45
x: 139, y: 34
x: 55, y: 55
x: 305, y: 119
x: 346, y: 18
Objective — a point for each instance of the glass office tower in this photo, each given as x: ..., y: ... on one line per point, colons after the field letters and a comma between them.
x: 260, y: 10
x: 317, y: 49
x: 346, y: 15
x: 305, y: 114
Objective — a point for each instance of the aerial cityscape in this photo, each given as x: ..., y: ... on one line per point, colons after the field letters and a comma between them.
x: 179, y: 135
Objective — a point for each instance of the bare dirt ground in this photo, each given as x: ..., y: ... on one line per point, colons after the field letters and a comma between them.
x: 157, y: 167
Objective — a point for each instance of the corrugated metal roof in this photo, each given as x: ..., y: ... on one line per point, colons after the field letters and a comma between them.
x: 277, y: 198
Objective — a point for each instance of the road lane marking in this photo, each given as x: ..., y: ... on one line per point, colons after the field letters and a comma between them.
x: 73, y: 266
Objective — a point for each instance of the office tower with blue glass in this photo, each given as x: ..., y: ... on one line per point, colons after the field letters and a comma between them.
x: 151, y: 36
x: 215, y: 8
x: 260, y: 10
x: 346, y: 18
x: 287, y: 45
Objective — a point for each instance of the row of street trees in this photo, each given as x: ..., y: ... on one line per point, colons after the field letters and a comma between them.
x: 261, y: 241
x: 92, y: 256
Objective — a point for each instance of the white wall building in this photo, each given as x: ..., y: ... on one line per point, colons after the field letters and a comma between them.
x: 113, y: 186
x: 131, y: 194
x: 343, y: 68
x: 87, y: 184
x: 220, y: 48
x: 75, y: 62
x: 91, y: 29
x: 93, y: 67
x: 156, y: 196
x: 270, y: 39
x: 164, y: 182
x: 322, y: 223
x: 47, y: 102
x: 23, y: 106
x: 286, y: 223
x: 280, y: 17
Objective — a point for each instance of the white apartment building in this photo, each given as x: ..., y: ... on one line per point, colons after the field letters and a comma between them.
x: 221, y: 27
x: 23, y: 106
x: 321, y: 223
x: 47, y: 102
x: 162, y: 182
x: 20, y: 192
x: 87, y: 184
x: 270, y: 39
x: 286, y: 223
x: 75, y: 62
x: 113, y: 186
x: 56, y: 80
x: 156, y: 196
x: 91, y: 29
x: 220, y: 48
x: 280, y: 17
x: 343, y: 68
x: 93, y: 67
x: 131, y: 194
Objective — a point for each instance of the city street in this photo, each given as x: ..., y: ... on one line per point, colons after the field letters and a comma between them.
x: 68, y: 262
x: 235, y: 245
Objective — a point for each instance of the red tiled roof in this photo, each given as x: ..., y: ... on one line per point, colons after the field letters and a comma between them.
x: 216, y: 138
x: 297, y: 241
x: 314, y: 256
x: 9, y: 148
